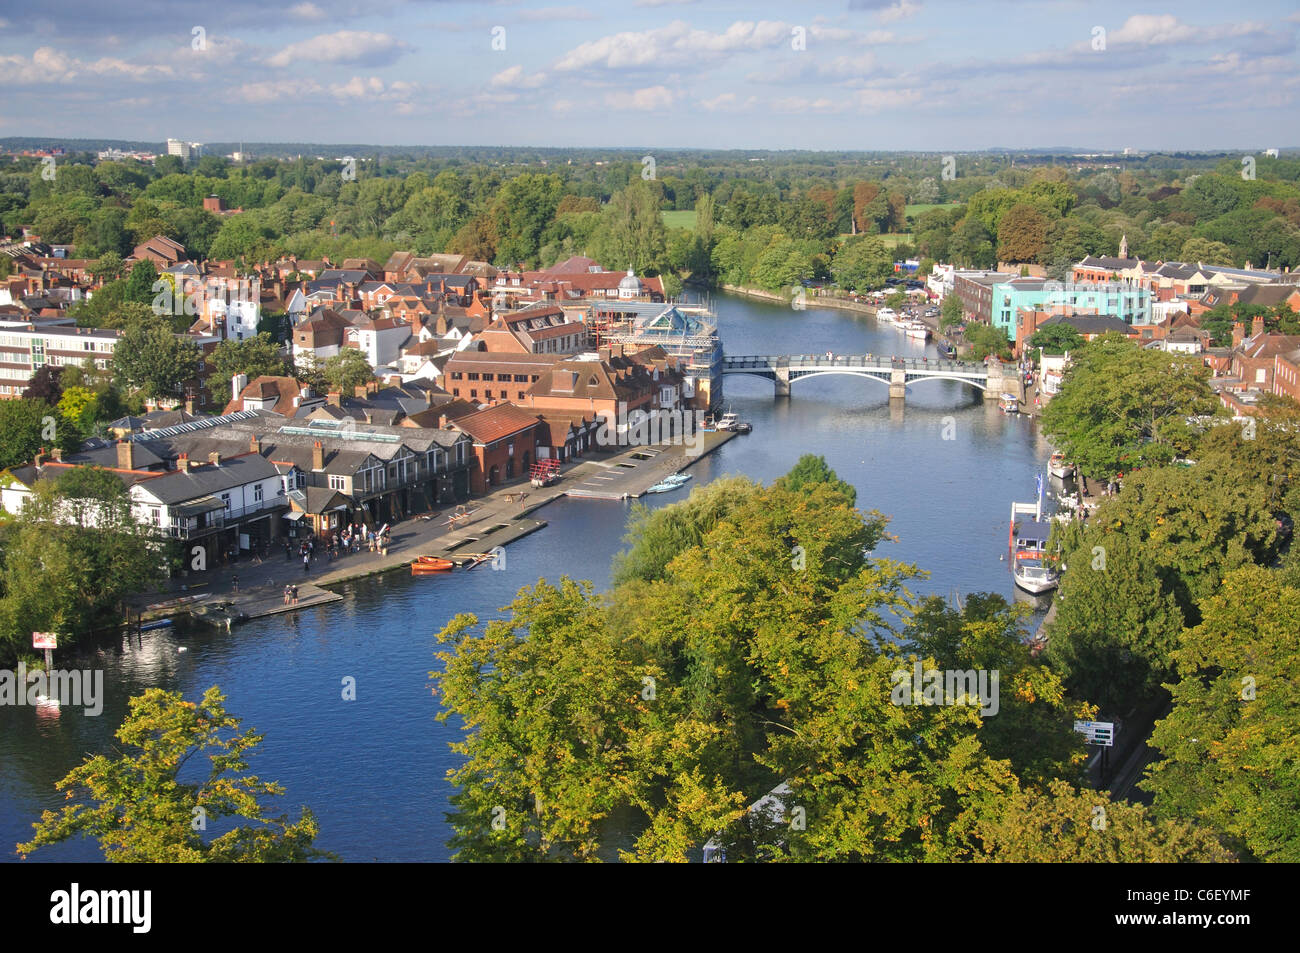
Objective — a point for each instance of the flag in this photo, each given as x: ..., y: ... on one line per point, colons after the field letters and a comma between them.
x: 1040, y: 484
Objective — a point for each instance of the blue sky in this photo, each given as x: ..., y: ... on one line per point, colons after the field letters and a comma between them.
x: 857, y: 74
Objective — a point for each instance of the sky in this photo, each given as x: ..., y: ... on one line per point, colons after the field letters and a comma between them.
x: 925, y: 75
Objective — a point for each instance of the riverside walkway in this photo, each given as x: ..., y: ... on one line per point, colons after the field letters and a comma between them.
x: 495, y: 519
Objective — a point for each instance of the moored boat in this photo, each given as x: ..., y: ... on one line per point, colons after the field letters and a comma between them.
x: 1058, y: 467
x: 916, y: 329
x: 423, y: 564
x: 669, y: 483
x: 1009, y: 404
x: 1034, y: 575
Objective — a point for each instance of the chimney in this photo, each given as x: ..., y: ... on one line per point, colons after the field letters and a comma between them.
x: 40, y: 458
x: 1257, y: 326
x: 443, y: 421
x: 1238, y: 333
x: 125, y: 455
x: 237, y: 383
x: 189, y: 406
x: 57, y: 454
x: 334, y: 399
x: 214, y: 458
x: 361, y: 390
x: 317, y: 456
x: 183, y: 463
x: 254, y: 444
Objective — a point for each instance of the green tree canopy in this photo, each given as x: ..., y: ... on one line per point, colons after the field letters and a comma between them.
x: 1123, y: 407
x: 1229, y: 745
x: 255, y: 356
x: 150, y: 358
x: 141, y: 809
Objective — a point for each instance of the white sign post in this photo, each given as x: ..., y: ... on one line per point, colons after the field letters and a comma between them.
x: 1097, y: 732
x: 48, y: 641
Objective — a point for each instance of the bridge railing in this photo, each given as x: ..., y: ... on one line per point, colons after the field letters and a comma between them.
x: 872, y: 361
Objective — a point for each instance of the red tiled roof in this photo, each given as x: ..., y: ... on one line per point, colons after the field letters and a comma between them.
x: 503, y: 420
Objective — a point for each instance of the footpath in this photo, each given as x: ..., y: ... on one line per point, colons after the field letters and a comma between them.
x: 253, y: 588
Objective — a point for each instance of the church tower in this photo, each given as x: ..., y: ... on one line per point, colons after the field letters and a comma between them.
x: 1123, y: 246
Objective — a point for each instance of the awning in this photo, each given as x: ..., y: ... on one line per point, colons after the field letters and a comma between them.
x: 294, y: 516
x: 206, y: 504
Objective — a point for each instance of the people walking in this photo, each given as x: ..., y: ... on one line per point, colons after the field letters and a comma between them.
x: 286, y: 595
x: 234, y: 583
x: 306, y: 561
x: 293, y: 595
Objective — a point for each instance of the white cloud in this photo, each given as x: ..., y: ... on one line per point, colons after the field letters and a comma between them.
x: 307, y: 11
x: 899, y: 11
x: 723, y: 101
x: 358, y: 88
x: 677, y: 44
x: 345, y: 46
x: 514, y: 78
x: 649, y: 99
x: 48, y: 65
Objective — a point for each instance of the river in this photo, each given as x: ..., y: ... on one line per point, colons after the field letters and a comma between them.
x: 374, y: 769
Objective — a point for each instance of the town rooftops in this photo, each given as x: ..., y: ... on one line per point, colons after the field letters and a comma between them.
x: 496, y: 423
x: 204, y: 479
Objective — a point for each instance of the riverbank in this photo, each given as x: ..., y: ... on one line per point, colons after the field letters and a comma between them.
x: 812, y: 300
x: 255, y: 588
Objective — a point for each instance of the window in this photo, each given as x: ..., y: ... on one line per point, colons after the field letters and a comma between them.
x: 455, y: 392
x: 521, y: 378
x: 473, y: 392
x: 473, y: 375
x: 225, y: 501
x: 521, y: 395
x: 338, y: 483
x: 487, y: 377
x: 504, y: 395
x: 456, y: 375
x: 257, y: 493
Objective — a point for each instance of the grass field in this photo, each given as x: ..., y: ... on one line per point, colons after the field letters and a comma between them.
x: 920, y: 209
x: 679, y: 218
x: 890, y: 241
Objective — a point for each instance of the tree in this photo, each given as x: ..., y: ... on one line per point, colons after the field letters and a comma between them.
x: 476, y: 239
x: 985, y: 340
x: 255, y: 356
x: 972, y: 244
x: 1022, y: 234
x: 72, y: 556
x: 25, y: 427
x: 140, y: 283
x: 45, y: 384
x: 862, y: 264
x: 108, y: 267
x: 631, y: 232
x: 80, y: 407
x: 950, y: 312
x: 1064, y: 826
x: 1228, y: 744
x: 753, y: 647
x: 140, y: 811
x: 812, y: 468
x: 1060, y: 338
x: 1033, y: 729
x: 345, y: 372
x: 524, y: 207
x: 152, y: 359
x: 1203, y: 250
x: 1122, y: 407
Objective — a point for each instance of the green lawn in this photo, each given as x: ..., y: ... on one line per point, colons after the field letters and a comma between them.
x: 890, y: 241
x: 679, y: 218
x: 921, y: 209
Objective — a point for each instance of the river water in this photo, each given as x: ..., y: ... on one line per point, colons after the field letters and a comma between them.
x: 374, y: 769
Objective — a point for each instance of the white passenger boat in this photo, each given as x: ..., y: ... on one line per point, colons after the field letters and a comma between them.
x: 915, y: 329
x: 1058, y: 467
x: 1034, y: 575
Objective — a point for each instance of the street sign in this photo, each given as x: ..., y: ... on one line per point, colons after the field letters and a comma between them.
x: 45, y: 640
x: 1097, y: 732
